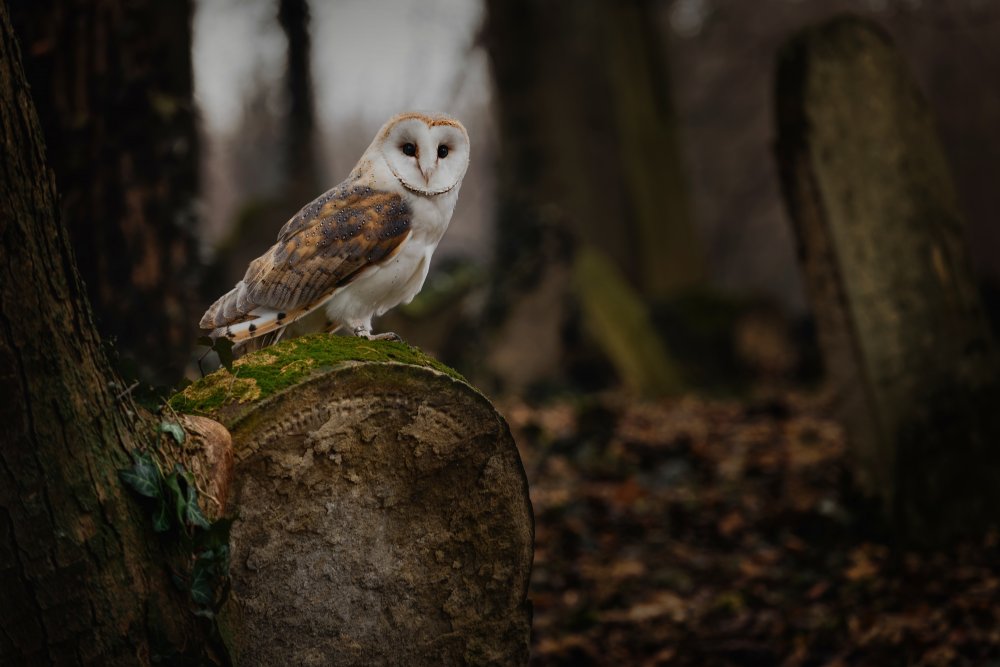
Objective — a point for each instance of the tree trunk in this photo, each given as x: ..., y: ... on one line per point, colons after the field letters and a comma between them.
x: 384, y: 512
x: 82, y: 575
x: 113, y: 85
x: 587, y: 127
x: 300, y: 121
x: 263, y: 214
x: 590, y: 159
x: 902, y: 330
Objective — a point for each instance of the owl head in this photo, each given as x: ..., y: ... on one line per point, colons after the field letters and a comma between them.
x: 427, y: 153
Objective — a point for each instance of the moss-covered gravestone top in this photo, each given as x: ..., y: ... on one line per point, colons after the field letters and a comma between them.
x: 383, y: 509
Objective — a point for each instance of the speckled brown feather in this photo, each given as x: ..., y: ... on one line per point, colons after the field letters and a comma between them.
x: 322, y: 248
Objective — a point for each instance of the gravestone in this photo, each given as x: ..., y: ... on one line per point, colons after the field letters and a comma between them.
x: 383, y: 512
x: 905, y: 340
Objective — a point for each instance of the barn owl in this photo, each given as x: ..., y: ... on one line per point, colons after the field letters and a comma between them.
x: 359, y: 249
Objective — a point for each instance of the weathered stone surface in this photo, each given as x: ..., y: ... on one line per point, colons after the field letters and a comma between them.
x: 207, y: 452
x: 383, y: 519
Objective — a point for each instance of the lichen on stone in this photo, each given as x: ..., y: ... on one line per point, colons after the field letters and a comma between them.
x: 259, y: 358
x: 298, y: 366
x: 213, y: 391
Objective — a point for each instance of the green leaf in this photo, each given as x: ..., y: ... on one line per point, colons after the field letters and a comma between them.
x: 193, y: 516
x: 161, y: 518
x: 216, y: 536
x: 173, y: 429
x: 173, y: 484
x: 224, y: 348
x: 202, y: 588
x: 143, y: 477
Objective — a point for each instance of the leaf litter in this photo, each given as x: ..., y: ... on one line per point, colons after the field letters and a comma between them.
x: 693, y: 531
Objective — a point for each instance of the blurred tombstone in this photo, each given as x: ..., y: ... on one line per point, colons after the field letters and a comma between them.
x: 383, y: 509
x: 904, y: 337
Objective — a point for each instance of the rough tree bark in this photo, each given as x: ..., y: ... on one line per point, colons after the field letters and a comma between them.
x: 384, y: 512
x: 81, y: 573
x: 904, y: 336
x: 113, y: 85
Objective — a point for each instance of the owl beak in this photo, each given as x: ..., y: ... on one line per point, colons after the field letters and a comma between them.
x: 426, y: 170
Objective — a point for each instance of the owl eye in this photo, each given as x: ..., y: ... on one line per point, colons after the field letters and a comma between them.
x: 409, y: 149
x: 442, y: 151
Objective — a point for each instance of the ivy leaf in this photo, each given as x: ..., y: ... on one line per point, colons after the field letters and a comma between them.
x: 216, y: 537
x: 193, y: 515
x: 202, y: 590
x: 173, y: 429
x: 173, y: 485
x: 143, y: 477
x: 161, y: 518
x: 224, y: 348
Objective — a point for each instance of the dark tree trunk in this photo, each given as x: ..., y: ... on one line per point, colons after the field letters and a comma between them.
x: 588, y: 130
x: 113, y: 85
x: 301, y: 117
x: 589, y: 162
x: 82, y: 577
x: 903, y: 332
x: 263, y: 214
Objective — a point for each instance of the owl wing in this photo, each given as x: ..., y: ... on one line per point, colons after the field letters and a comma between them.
x: 323, y: 247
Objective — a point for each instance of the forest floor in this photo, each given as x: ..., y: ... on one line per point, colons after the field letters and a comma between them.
x: 706, y: 532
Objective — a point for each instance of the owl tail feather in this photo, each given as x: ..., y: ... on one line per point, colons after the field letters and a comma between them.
x: 228, y: 308
x: 259, y: 322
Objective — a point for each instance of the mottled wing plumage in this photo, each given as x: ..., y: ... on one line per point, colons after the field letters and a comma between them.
x: 322, y: 248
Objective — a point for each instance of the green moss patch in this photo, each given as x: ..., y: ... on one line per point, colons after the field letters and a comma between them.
x: 264, y: 373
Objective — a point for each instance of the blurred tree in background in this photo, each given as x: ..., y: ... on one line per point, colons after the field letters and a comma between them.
x: 588, y: 127
x: 589, y: 158
x: 301, y: 114
x: 113, y: 85
x: 262, y: 213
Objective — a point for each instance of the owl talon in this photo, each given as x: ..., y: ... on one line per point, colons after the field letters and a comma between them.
x: 368, y: 335
x: 388, y: 335
x: 363, y: 332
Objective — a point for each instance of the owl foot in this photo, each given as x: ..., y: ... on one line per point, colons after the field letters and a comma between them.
x: 388, y: 335
x: 367, y: 334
